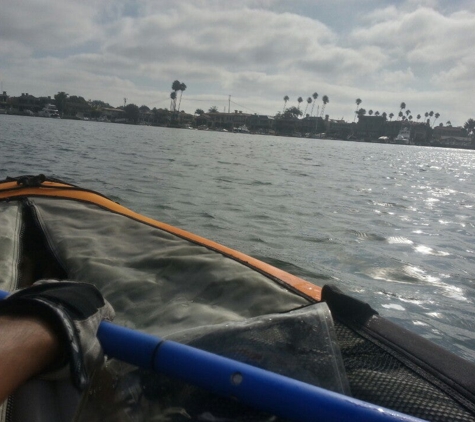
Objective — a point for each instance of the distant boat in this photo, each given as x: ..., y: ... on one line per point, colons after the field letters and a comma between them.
x: 242, y: 129
x: 49, y: 110
x: 404, y: 136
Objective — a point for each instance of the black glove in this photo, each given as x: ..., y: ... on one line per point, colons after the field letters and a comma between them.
x: 74, y: 311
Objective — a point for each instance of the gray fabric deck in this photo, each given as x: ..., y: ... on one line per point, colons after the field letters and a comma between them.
x: 156, y: 281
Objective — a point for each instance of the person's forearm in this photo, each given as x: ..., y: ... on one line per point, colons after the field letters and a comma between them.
x: 27, y: 347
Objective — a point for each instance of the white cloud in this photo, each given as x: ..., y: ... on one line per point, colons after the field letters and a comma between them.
x: 396, y: 80
x: 420, y: 36
x: 460, y: 76
x: 250, y: 38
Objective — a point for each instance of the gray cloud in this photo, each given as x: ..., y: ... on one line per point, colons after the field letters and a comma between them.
x: 47, y: 26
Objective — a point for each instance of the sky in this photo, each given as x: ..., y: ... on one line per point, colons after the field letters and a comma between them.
x: 256, y: 51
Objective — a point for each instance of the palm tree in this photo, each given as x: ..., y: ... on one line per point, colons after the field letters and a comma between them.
x: 176, y: 85
x: 370, y: 112
x: 173, y: 100
x: 436, y: 115
x: 470, y: 126
x: 325, y: 101
x: 314, y: 96
x: 358, y: 102
x: 408, y: 112
x: 309, y: 101
x: 449, y: 123
x: 299, y: 100
x: 182, y: 88
x: 410, y: 117
x: 391, y: 115
x: 286, y: 98
x: 400, y: 115
x: 401, y: 107
x: 376, y: 113
x: 426, y: 115
x: 384, y: 114
x: 361, y: 112
x: 418, y: 117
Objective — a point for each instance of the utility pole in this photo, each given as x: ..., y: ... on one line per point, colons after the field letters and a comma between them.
x: 229, y: 104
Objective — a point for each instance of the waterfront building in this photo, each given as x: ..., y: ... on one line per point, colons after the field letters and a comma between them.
x: 228, y: 121
x: 3, y: 102
x: 452, y: 137
x: 421, y: 133
x: 370, y: 128
x: 114, y: 114
x: 260, y: 123
x: 339, y: 129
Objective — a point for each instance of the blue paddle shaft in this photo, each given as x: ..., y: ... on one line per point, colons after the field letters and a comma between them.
x: 264, y: 390
x: 253, y: 386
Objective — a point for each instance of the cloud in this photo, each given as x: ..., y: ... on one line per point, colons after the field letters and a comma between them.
x: 422, y: 36
x: 14, y: 50
x: 256, y: 38
x: 47, y: 26
x: 458, y: 76
x: 396, y: 80
x: 256, y: 50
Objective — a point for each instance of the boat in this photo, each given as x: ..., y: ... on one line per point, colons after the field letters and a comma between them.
x: 242, y: 129
x: 404, y: 136
x: 49, y: 110
x: 193, y: 292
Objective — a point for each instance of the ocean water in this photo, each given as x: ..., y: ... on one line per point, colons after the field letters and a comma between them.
x: 392, y: 225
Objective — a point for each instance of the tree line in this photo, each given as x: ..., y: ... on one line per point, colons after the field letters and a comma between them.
x: 63, y: 101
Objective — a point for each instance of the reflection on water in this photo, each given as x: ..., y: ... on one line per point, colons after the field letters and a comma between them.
x: 429, y: 251
x: 391, y: 224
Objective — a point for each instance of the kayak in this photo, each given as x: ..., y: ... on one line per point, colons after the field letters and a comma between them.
x: 164, y: 281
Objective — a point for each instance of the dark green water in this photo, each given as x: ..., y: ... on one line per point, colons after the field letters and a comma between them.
x: 393, y: 225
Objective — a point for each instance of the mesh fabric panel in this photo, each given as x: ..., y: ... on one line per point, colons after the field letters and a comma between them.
x: 377, y: 377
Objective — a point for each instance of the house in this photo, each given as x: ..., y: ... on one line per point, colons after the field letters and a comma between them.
x: 260, y: 123
x: 421, y: 133
x: 286, y: 125
x: 339, y: 129
x: 114, y: 114
x: 227, y: 121
x: 451, y: 137
x: 3, y: 102
x: 313, y: 125
x: 448, y: 131
x: 370, y: 128
x: 26, y: 102
x: 392, y: 129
